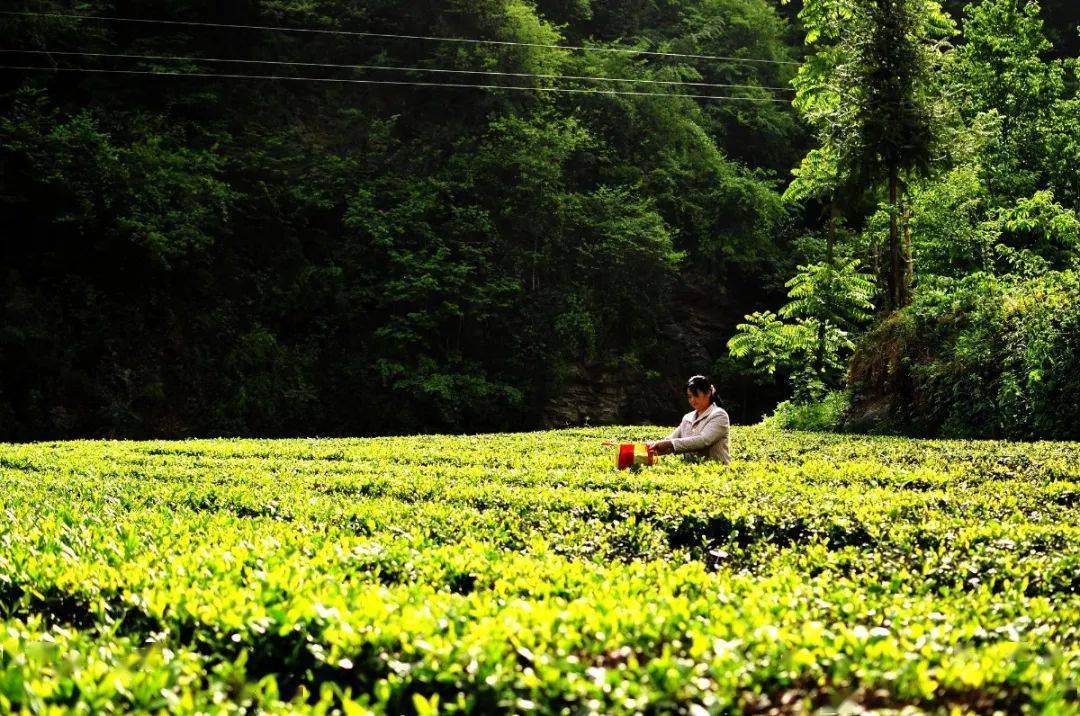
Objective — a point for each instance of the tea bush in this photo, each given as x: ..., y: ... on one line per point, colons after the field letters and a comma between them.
x: 522, y: 573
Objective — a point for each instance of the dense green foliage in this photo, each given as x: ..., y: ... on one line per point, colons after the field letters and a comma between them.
x: 193, y: 256
x: 976, y: 127
x: 983, y: 355
x: 822, y: 413
x: 990, y: 347
x: 502, y: 573
x: 827, y: 300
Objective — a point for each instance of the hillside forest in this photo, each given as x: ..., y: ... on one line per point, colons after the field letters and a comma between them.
x: 863, y: 210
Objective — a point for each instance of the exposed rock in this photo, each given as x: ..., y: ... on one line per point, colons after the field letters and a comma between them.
x: 703, y: 318
x: 591, y: 395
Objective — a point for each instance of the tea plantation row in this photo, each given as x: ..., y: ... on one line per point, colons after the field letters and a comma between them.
x: 522, y: 573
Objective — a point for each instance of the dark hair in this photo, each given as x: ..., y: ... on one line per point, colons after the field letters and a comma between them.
x: 699, y: 384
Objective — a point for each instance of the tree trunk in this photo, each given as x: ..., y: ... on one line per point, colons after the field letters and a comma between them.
x: 534, y: 282
x: 895, y: 277
x: 830, y: 242
x: 909, y: 258
x: 830, y: 237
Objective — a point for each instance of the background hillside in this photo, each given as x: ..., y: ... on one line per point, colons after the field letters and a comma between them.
x: 209, y: 256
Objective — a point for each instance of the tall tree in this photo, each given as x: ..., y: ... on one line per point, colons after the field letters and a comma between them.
x: 870, y: 92
x: 1005, y: 85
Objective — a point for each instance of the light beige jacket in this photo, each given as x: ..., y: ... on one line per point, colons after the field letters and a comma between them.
x: 705, y: 435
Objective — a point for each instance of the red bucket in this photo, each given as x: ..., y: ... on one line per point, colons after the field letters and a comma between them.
x: 631, y: 454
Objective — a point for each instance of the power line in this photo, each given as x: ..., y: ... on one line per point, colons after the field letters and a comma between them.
x: 391, y: 68
x: 352, y: 33
x: 386, y: 82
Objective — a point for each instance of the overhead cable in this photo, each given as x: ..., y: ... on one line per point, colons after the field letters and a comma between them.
x: 339, y: 80
x: 354, y: 33
x: 586, y: 78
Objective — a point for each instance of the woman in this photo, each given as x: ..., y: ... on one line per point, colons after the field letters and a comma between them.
x: 704, y: 430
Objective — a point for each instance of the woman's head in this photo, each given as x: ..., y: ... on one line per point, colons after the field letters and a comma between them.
x: 701, y: 393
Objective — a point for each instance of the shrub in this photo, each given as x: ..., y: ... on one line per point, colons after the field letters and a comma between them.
x: 825, y: 415
x: 979, y: 357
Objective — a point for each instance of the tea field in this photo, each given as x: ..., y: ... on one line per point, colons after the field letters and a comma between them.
x: 522, y: 573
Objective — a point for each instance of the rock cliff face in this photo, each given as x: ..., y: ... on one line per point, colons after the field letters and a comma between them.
x: 703, y: 317
x: 592, y: 395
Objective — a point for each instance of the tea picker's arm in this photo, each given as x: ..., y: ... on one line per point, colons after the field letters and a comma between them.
x: 667, y: 446
x: 663, y: 447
